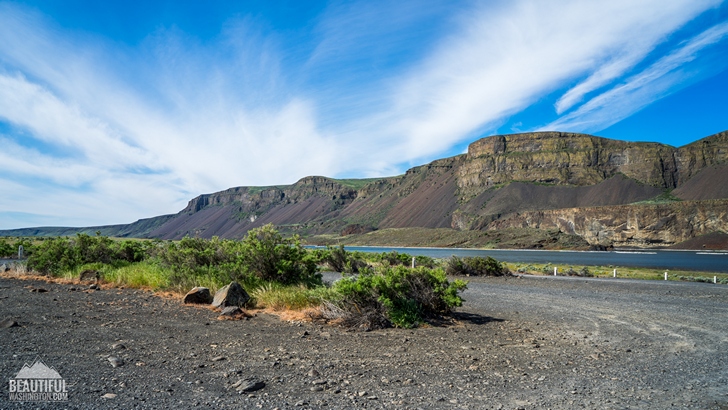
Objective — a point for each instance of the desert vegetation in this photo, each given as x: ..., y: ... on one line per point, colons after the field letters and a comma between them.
x: 381, y: 290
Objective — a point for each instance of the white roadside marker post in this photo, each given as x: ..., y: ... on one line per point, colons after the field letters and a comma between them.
x: 665, y: 275
x: 615, y: 273
x: 413, y: 262
x: 715, y: 279
x: 555, y: 270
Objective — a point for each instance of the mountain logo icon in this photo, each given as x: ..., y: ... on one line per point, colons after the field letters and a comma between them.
x: 37, y: 371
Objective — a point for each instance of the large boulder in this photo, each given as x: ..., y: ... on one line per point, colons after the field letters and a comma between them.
x: 231, y: 295
x: 198, y: 295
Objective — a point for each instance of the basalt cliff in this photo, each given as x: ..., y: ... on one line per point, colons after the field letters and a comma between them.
x: 603, y: 192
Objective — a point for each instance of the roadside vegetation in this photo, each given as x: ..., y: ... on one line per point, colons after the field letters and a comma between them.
x: 622, y: 272
x: 376, y: 290
x: 379, y: 290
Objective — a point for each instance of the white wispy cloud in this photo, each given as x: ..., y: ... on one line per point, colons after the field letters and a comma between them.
x: 660, y: 79
x: 109, y: 132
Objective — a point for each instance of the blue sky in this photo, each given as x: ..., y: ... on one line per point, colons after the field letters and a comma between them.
x: 114, y: 111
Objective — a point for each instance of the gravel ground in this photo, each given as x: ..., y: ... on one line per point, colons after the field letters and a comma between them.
x: 519, y: 343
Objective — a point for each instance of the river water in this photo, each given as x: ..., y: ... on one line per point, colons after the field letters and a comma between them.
x: 657, y: 259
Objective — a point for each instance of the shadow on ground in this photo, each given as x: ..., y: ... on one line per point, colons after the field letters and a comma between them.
x: 474, y: 318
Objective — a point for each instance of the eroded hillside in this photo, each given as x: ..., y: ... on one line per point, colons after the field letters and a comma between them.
x: 607, y: 192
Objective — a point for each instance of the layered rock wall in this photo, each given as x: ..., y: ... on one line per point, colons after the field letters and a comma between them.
x: 628, y: 225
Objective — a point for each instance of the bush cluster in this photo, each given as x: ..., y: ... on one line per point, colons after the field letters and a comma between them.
x: 10, y: 250
x: 340, y: 260
x: 583, y: 272
x: 394, y: 295
x: 264, y: 255
x: 475, y: 266
x: 56, y: 255
x: 278, y: 272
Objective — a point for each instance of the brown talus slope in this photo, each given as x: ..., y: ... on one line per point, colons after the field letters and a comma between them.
x: 607, y: 192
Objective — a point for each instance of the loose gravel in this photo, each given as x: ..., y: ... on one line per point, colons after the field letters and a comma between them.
x: 519, y: 343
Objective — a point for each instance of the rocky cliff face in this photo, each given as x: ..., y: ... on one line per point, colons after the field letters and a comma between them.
x: 579, y: 159
x: 606, y: 191
x: 641, y: 225
x: 576, y: 183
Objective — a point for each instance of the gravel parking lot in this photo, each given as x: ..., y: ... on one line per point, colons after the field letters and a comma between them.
x: 530, y: 343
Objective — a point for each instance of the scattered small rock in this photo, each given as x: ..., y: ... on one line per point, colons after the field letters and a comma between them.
x: 219, y: 358
x: 39, y: 290
x: 93, y: 286
x: 109, y: 396
x: 246, y: 386
x: 118, y: 346
x: 198, y: 295
x: 4, y: 268
x: 8, y: 323
x: 115, y: 361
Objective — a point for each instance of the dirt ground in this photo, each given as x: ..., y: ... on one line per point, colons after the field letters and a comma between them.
x: 529, y: 343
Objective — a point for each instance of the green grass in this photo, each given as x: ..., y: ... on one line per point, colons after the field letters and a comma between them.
x: 139, y: 275
x: 278, y: 297
x: 258, y: 189
x: 664, y: 198
x: 622, y: 272
x: 356, y: 183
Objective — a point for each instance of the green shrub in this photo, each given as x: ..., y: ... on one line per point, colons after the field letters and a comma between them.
x: 54, y: 256
x: 271, y: 257
x: 262, y: 256
x: 395, y: 258
x: 339, y: 259
x: 393, y: 296
x: 7, y: 250
x: 475, y: 266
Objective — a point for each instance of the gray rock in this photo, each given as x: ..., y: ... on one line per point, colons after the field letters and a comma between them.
x: 8, y: 323
x: 249, y: 386
x: 4, y: 268
x: 115, y: 361
x: 231, y: 295
x: 89, y: 275
x: 198, y: 295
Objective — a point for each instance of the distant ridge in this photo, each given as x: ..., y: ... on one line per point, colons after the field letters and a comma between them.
x: 606, y: 192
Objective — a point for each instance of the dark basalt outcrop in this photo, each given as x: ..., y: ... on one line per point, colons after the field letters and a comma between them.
x: 608, y: 192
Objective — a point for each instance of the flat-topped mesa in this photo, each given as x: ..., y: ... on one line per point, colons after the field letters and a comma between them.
x: 562, y: 158
x: 255, y: 197
x: 322, y: 186
x: 233, y: 195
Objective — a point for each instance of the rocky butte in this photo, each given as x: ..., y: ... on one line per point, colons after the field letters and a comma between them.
x: 546, y: 186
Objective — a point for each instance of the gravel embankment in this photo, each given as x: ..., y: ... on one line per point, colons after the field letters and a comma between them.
x: 528, y: 343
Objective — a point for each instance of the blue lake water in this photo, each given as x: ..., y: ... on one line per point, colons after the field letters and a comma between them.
x: 657, y: 259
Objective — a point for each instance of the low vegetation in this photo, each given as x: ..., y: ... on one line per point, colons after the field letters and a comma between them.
x: 393, y: 295
x: 475, y: 266
x: 622, y: 272
x: 278, y: 273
